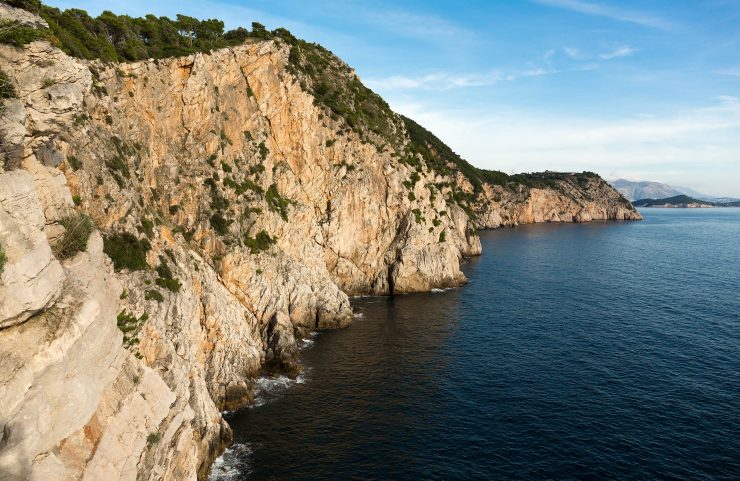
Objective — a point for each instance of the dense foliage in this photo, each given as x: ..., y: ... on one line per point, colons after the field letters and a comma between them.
x: 30, y: 5
x: 440, y: 157
x: 336, y: 87
x: 111, y: 37
x: 18, y: 35
x: 126, y: 251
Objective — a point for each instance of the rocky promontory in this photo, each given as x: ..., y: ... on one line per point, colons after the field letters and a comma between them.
x: 170, y: 227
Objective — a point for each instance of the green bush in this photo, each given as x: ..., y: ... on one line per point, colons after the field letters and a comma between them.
x: 277, y: 203
x: 153, y: 294
x: 261, y: 242
x: 442, y: 236
x: 146, y: 227
x: 30, y: 5
x: 77, y: 230
x: 417, y: 216
x: 129, y: 325
x: 263, y: 150
x: 3, y: 259
x: 19, y: 35
x: 219, y: 224
x: 7, y: 89
x: 166, y: 279
x: 126, y: 251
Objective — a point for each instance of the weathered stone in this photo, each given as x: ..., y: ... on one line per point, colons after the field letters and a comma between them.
x: 32, y: 278
x: 263, y: 215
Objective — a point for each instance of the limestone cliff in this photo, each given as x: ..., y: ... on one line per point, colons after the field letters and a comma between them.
x: 231, y: 212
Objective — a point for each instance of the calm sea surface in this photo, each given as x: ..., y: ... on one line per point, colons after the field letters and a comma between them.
x: 598, y: 351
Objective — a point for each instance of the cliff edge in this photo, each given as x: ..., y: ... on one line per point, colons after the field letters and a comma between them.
x: 169, y: 228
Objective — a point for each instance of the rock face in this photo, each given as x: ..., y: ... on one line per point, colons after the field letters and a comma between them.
x: 260, y: 213
x: 570, y: 198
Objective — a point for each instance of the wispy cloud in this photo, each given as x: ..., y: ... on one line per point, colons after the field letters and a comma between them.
x: 624, y: 51
x: 573, y: 53
x: 699, y: 144
x: 730, y: 71
x: 449, y: 81
x: 615, y: 13
x: 434, y: 81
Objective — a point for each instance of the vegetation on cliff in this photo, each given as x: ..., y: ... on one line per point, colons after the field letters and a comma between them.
x: 77, y: 230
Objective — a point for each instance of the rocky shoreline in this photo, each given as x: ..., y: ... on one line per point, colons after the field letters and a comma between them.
x: 226, y: 213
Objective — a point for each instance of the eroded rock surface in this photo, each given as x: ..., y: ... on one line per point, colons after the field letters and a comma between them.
x: 262, y: 213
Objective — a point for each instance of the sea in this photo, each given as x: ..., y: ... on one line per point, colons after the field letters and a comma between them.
x: 608, y: 350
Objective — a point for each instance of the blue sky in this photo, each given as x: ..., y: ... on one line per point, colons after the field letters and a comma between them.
x: 647, y: 90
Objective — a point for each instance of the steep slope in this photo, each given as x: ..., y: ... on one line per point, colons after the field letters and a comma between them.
x: 236, y: 199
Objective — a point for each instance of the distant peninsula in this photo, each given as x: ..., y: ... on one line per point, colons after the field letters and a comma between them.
x: 682, y: 202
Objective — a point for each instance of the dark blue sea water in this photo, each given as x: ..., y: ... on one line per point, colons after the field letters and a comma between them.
x: 576, y: 352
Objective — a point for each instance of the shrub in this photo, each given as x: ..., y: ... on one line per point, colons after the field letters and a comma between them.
x: 19, y: 35
x: 412, y: 196
x: 153, y: 438
x: 77, y: 230
x: 147, y: 227
x: 174, y: 208
x: 219, y: 224
x: 263, y: 150
x: 153, y: 294
x: 166, y: 279
x: 277, y: 203
x: 261, y: 242
x: 74, y: 162
x: 417, y: 215
x: 126, y: 251
x: 77, y: 199
x: 2, y: 260
x: 30, y: 5
x: 256, y: 169
x: 330, y: 142
x: 442, y: 236
x: 7, y: 89
x: 129, y: 325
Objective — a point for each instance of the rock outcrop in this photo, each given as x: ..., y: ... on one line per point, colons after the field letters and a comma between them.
x: 572, y: 197
x: 234, y: 213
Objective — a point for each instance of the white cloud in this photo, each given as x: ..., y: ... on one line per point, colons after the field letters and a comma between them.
x: 698, y: 147
x: 730, y: 71
x: 573, y: 53
x: 435, y: 81
x: 615, y: 13
x: 448, y: 81
x: 618, y: 52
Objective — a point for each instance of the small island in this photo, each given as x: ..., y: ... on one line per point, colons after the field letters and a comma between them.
x: 682, y: 202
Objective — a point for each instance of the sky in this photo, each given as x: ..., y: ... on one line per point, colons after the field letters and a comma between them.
x: 643, y: 90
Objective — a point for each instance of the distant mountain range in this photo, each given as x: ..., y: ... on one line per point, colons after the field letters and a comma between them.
x: 682, y: 201
x: 636, y: 190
